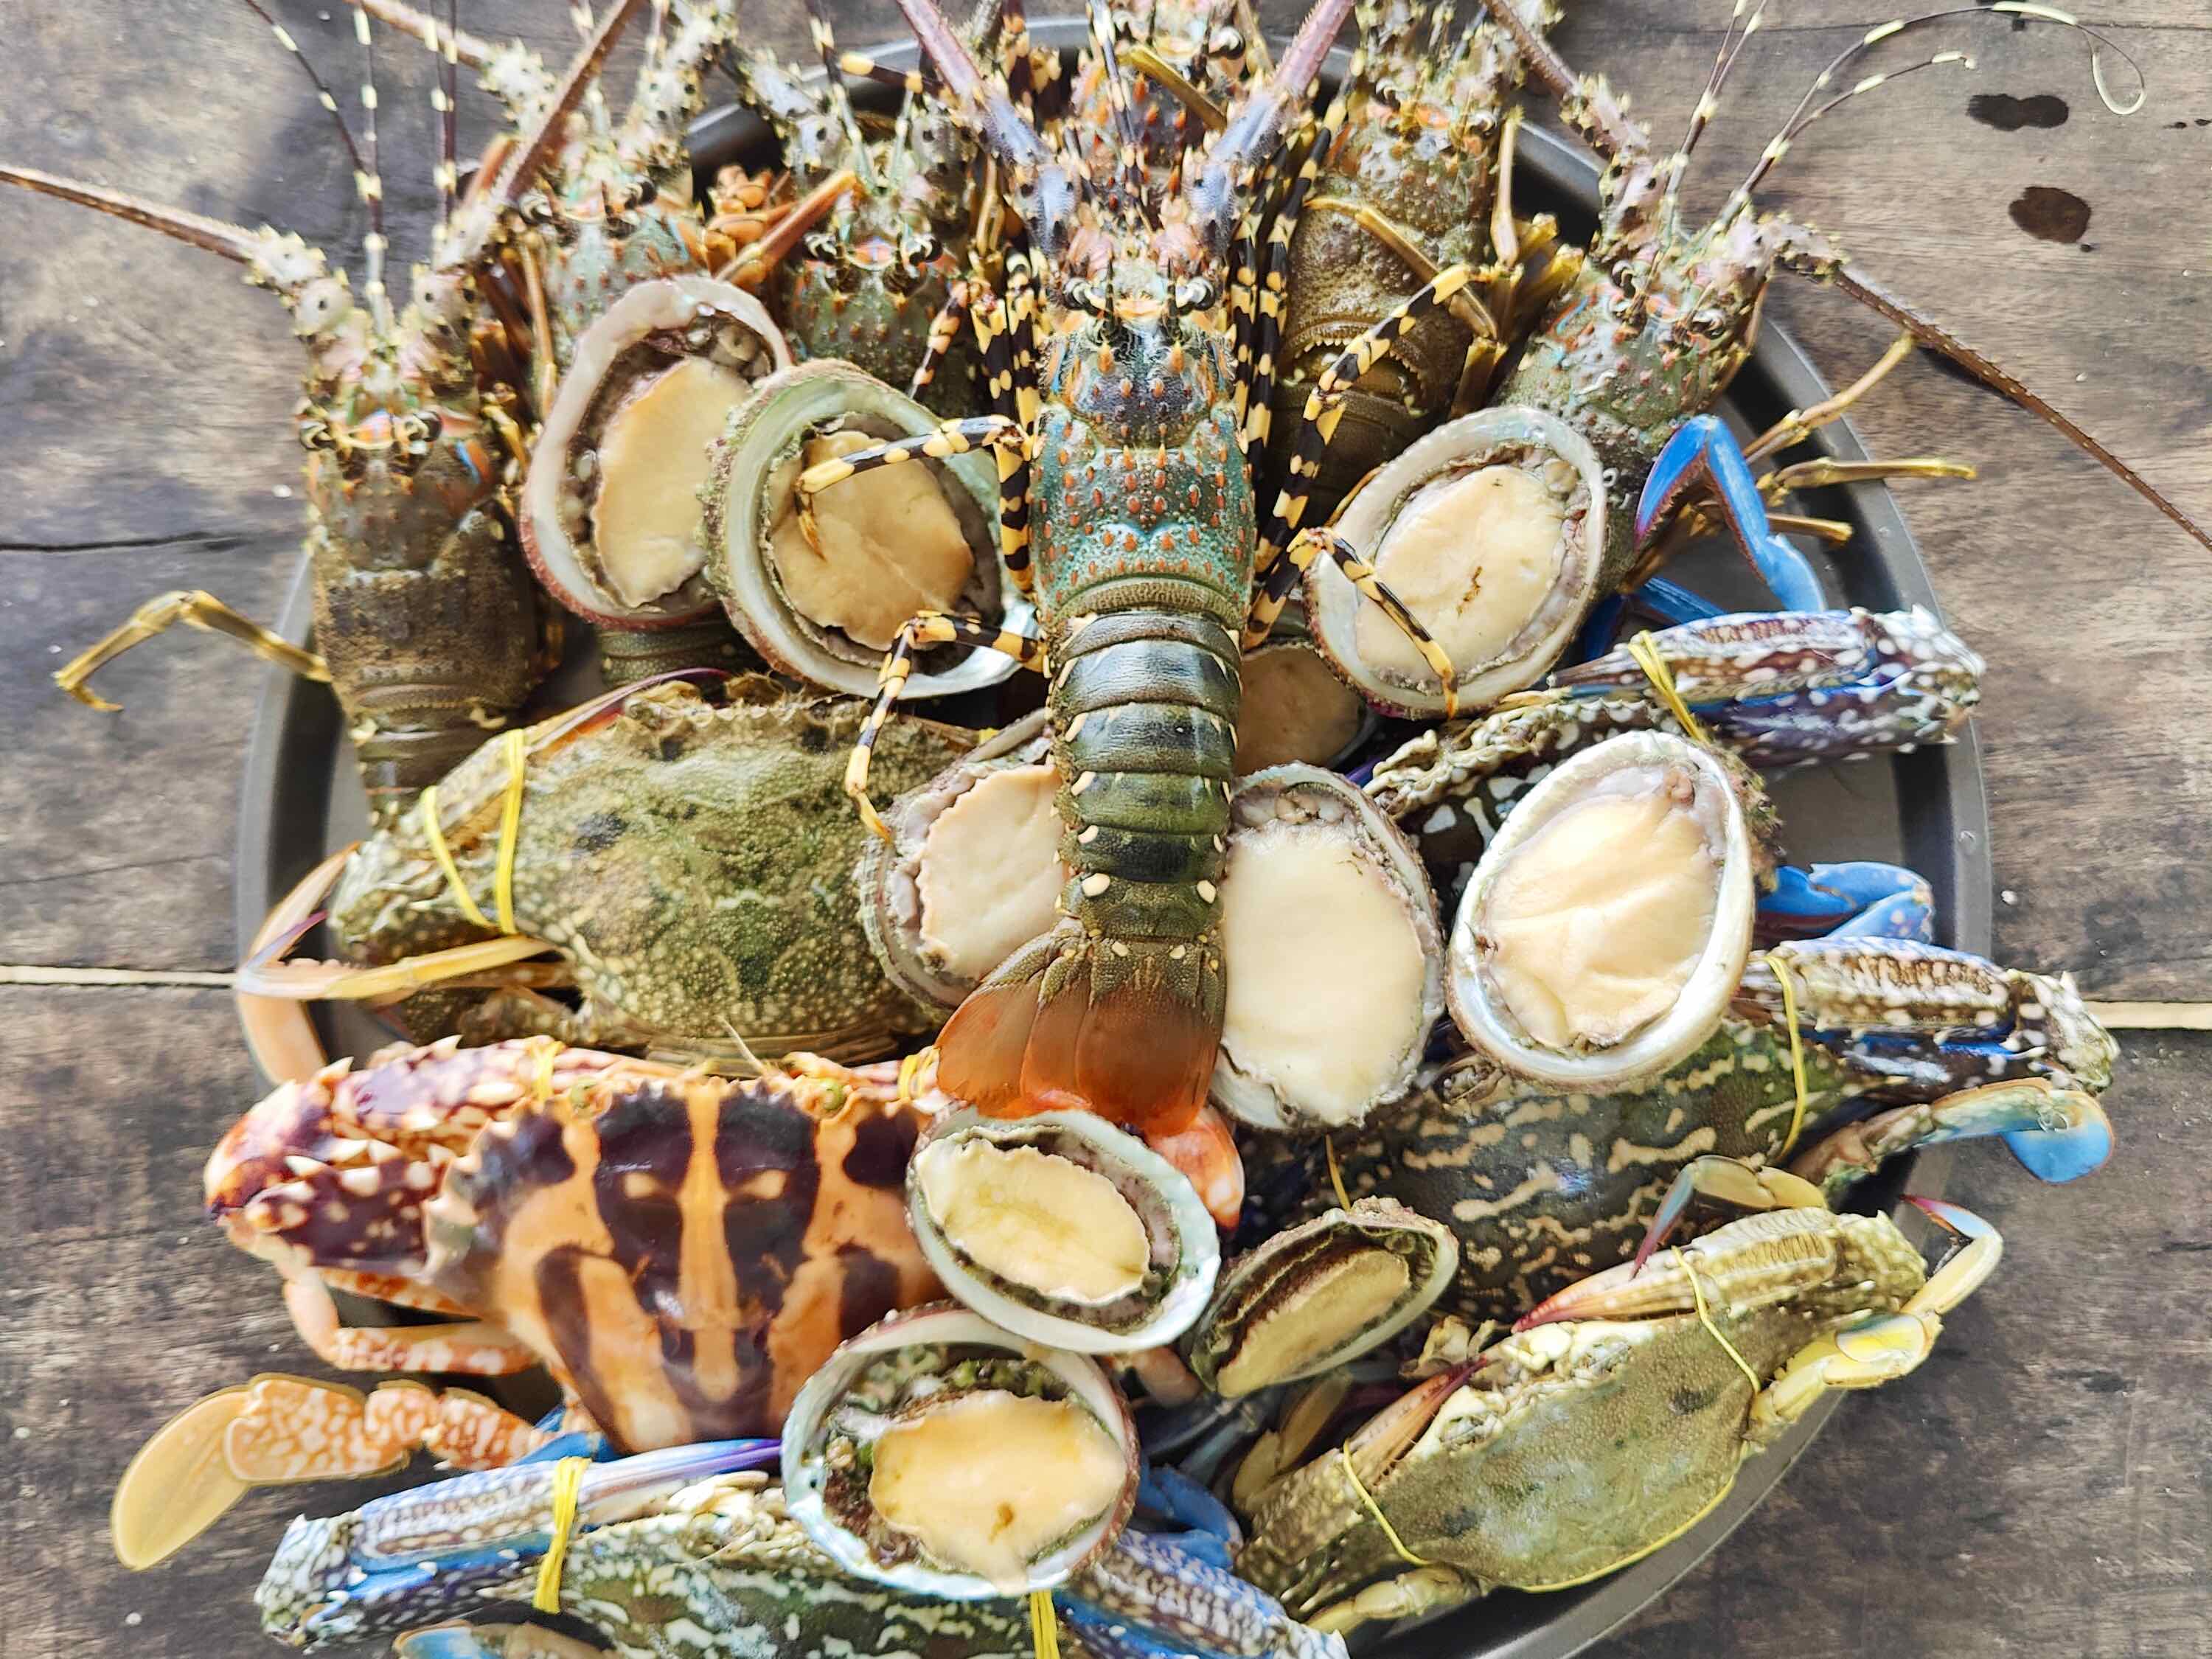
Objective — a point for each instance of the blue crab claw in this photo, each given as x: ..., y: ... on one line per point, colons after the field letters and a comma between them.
x: 1857, y: 900
x: 1172, y: 1496
x: 1724, y: 1181
x: 1704, y: 450
x: 2057, y: 1132
x: 461, y: 1641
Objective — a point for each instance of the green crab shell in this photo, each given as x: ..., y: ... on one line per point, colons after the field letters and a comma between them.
x: 1185, y: 1248
x: 888, y: 877
x: 1660, y: 1042
x: 1270, y: 1293
x: 943, y: 1326
x: 756, y: 465
x: 644, y: 333
x: 1529, y: 440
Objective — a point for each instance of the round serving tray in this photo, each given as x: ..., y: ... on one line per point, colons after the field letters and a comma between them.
x: 302, y: 798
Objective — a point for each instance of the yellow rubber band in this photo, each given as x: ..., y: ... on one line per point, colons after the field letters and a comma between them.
x: 1630, y: 1560
x: 1375, y: 1510
x: 541, y: 1088
x: 513, y: 746
x: 510, y: 820
x: 1335, y: 1172
x: 1705, y: 1316
x: 1646, y: 654
x: 435, y: 834
x: 1773, y: 960
x: 910, y: 1068
x: 1044, y: 1626
x: 567, y: 1481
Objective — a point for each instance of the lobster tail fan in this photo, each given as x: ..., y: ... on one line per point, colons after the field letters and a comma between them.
x: 1064, y: 1025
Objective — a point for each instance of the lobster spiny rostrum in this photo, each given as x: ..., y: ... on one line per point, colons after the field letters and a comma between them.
x: 1662, y: 315
x: 1127, y: 445
x: 429, y: 631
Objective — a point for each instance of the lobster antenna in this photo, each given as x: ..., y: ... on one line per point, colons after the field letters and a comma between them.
x: 442, y: 96
x: 1709, y: 102
x: 471, y: 51
x: 1129, y: 152
x: 213, y: 235
x: 595, y: 100
x: 370, y: 181
x: 834, y: 94
x: 1255, y: 128
x: 1807, y: 111
x: 323, y: 96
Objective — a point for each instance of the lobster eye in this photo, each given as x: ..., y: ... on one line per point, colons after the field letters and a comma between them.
x: 920, y: 248
x: 1194, y: 294
x: 821, y: 245
x: 1228, y: 41
x: 1083, y: 294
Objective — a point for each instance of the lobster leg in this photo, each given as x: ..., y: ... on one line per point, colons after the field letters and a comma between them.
x: 198, y: 609
x: 944, y: 329
x: 1325, y: 403
x: 931, y: 627
x: 1274, y: 590
x: 998, y: 432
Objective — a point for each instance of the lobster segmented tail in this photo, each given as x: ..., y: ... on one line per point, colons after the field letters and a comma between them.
x: 1118, y: 1010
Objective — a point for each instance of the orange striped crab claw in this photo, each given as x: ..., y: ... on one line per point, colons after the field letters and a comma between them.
x: 279, y: 1430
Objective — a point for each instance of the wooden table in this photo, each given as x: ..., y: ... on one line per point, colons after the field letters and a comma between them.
x: 2043, y: 1486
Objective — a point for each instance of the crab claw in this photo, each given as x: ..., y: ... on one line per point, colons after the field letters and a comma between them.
x: 1704, y: 450
x: 1856, y: 900
x: 1960, y: 1276
x: 2057, y: 1132
x: 1724, y: 1181
x: 277, y: 1430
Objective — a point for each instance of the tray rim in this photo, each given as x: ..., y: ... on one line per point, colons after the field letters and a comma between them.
x: 293, y: 721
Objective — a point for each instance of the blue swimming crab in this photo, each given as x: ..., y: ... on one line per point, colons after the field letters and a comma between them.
x: 1922, y: 1043
x: 1617, y: 1414
x: 671, y: 1565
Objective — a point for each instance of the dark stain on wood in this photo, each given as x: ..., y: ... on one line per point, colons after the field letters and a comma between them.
x: 2006, y: 113
x: 2052, y: 214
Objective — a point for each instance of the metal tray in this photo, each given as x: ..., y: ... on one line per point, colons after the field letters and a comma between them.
x: 302, y: 798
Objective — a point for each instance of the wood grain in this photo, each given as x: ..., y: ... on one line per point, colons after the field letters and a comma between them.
x: 2041, y: 1487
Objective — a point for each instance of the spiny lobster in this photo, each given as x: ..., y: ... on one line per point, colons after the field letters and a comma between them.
x: 430, y: 631
x: 1128, y: 442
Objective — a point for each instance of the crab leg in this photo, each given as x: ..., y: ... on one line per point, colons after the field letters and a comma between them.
x: 474, y: 1348
x: 277, y: 1430
x: 2057, y: 1132
x: 1703, y: 451
x: 1860, y: 899
x: 1722, y: 1180
x: 1878, y: 1350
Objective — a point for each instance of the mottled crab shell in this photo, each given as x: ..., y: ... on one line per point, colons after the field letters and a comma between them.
x: 942, y: 1331
x: 1314, y: 801
x: 650, y: 330
x: 1268, y: 1296
x: 1185, y: 1249
x: 1529, y: 440
x: 756, y: 468
x: 888, y: 877
x: 1479, y: 1008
